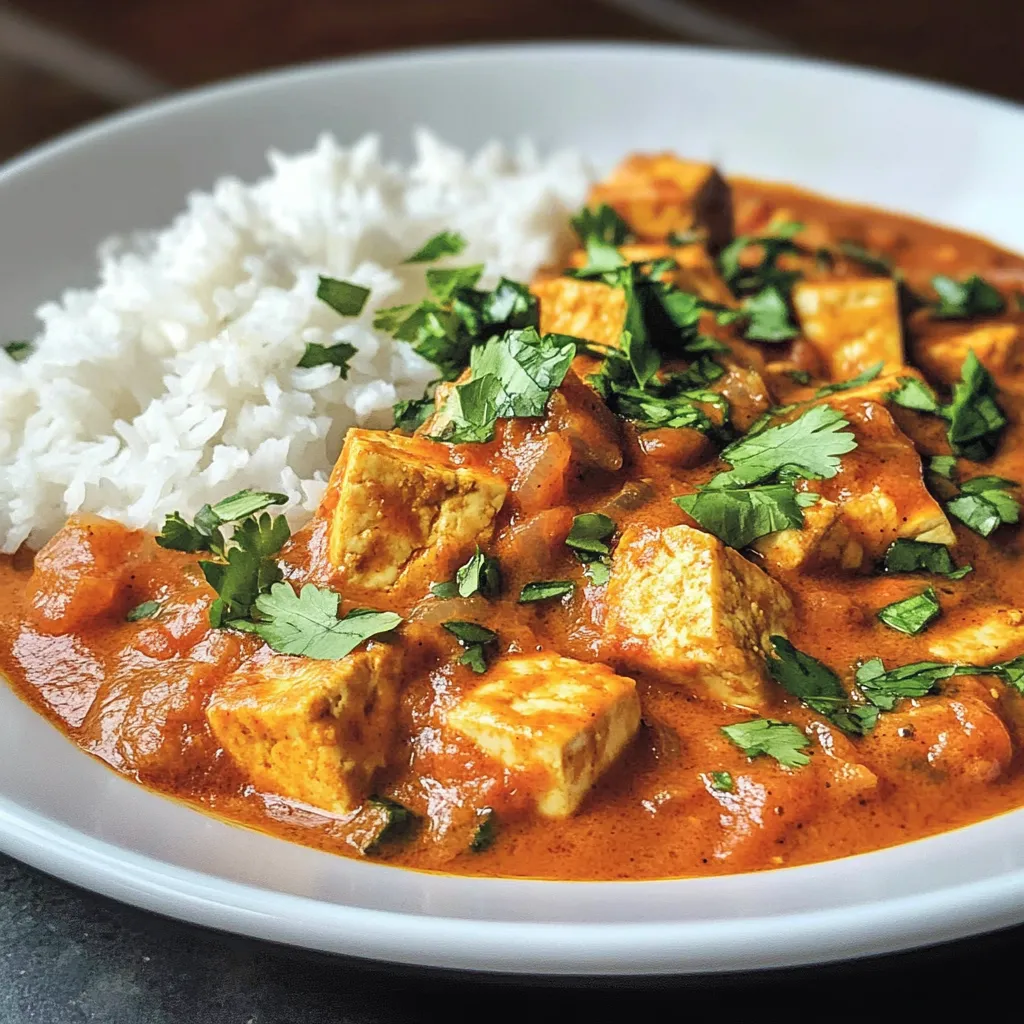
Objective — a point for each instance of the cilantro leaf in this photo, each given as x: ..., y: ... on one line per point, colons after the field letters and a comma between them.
x: 590, y: 532
x: 19, y: 351
x: 781, y: 740
x: 769, y: 317
x: 864, y: 377
x: 601, y: 223
x: 486, y: 830
x: 886, y: 688
x: 444, y: 243
x: 480, y: 575
x: 808, y: 446
x: 246, y: 503
x: 943, y: 465
x: 913, y: 614
x: 470, y: 412
x: 395, y: 823
x: 745, y: 280
x: 146, y: 610
x: 342, y: 296
x: 961, y: 300
x: 475, y: 639
x: 307, y: 623
x: 723, y: 782
x: 740, y: 515
x: 975, y: 419
x: 983, y: 504
x: 905, y: 555
x: 411, y: 413
x: 599, y: 571
x: 915, y: 394
x: 544, y: 590
x: 443, y: 282
x: 337, y: 355
x: 179, y: 535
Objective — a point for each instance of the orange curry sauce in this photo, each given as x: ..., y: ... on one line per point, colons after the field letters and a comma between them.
x: 133, y: 693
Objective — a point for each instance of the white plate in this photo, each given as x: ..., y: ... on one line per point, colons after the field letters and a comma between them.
x: 907, y: 145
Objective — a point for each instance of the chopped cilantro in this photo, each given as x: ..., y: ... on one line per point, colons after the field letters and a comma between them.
x: 975, y: 419
x: 19, y: 351
x: 590, y: 532
x: 906, y: 555
x: 146, y: 610
x: 337, y: 355
x: 819, y: 688
x: 799, y: 377
x: 913, y: 614
x: 544, y: 590
x: 486, y: 830
x: 307, y: 623
x: 444, y: 243
x: 781, y: 740
x: 915, y: 394
x: 723, y: 782
x: 480, y: 575
x: 443, y: 282
x: 769, y: 318
x: 943, y: 465
x: 475, y: 639
x: 342, y: 296
x: 598, y: 572
x: 885, y: 689
x: 601, y: 223
x: 412, y: 413
x: 864, y: 377
x: 740, y: 515
x: 983, y: 504
x: 962, y: 300
x: 395, y: 823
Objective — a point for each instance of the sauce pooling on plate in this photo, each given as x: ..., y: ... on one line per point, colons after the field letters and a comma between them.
x: 701, y: 557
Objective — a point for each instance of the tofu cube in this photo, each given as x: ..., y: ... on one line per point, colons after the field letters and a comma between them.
x: 657, y: 194
x: 824, y: 541
x: 854, y: 323
x: 942, y: 347
x: 311, y: 731
x: 880, y: 486
x: 996, y: 635
x: 687, y: 608
x: 584, y: 309
x: 401, y: 512
x: 560, y: 721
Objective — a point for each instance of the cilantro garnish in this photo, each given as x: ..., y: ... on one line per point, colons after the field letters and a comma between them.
x: 588, y: 538
x: 475, y: 639
x: 601, y: 223
x: 480, y: 575
x: 395, y: 823
x: 19, y: 351
x: 781, y: 740
x: 913, y: 614
x: 819, y: 688
x: 799, y: 377
x: 337, y: 355
x: 179, y: 535
x: 443, y: 282
x: 486, y: 830
x: 342, y: 296
x: 723, y: 782
x: 975, y: 419
x: 411, y: 413
x: 769, y: 318
x: 307, y: 623
x: 943, y: 465
x: 915, y: 394
x: 906, y: 555
x: 444, y: 243
x: 511, y: 376
x: 864, y: 377
x: 736, y: 511
x: 146, y: 610
x: 544, y: 590
x: 886, y: 688
x: 961, y: 300
x: 983, y: 504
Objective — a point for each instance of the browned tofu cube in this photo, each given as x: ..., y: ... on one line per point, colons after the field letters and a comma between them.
x: 854, y: 323
x: 584, y: 309
x: 311, y: 731
x: 657, y: 194
x: 691, y: 610
x: 558, y: 722
x: 941, y: 346
x: 400, y: 511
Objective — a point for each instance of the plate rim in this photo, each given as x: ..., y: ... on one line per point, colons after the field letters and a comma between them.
x: 535, y: 947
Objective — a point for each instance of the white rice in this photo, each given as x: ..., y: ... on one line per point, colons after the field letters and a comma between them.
x: 174, y: 382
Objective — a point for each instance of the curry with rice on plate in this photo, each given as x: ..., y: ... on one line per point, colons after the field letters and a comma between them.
x: 700, y: 556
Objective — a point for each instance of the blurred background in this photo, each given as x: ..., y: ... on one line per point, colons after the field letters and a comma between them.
x: 65, y: 62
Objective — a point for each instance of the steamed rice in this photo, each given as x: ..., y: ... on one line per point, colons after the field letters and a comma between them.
x: 174, y: 382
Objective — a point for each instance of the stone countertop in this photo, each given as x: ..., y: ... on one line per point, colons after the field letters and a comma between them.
x: 70, y: 957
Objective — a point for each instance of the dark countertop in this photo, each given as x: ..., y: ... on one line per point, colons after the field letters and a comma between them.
x: 69, y: 957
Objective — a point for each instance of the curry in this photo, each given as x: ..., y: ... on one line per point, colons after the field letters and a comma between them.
x: 701, y: 558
